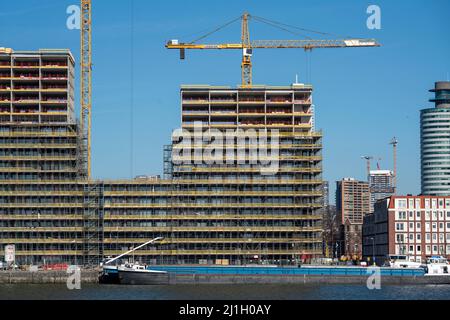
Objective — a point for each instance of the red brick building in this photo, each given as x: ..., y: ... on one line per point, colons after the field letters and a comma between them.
x: 415, y: 226
x: 352, y: 204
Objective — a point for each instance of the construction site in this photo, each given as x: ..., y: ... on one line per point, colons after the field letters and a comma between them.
x: 229, y: 213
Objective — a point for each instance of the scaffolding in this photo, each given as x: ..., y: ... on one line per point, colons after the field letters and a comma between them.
x: 93, y: 237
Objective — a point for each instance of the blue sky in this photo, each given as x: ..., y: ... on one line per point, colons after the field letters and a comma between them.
x: 363, y: 96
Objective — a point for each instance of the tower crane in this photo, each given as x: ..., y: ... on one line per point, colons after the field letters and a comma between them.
x: 86, y: 84
x: 367, y: 158
x: 394, y: 143
x: 247, y: 45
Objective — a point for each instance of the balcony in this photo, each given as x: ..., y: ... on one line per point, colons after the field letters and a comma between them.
x: 26, y: 88
x: 251, y: 100
x: 26, y: 99
x: 26, y: 76
x: 302, y: 101
x: 54, y: 65
x: 215, y: 100
x: 26, y: 64
x: 53, y: 100
x: 54, y: 88
x: 194, y: 101
x: 54, y: 76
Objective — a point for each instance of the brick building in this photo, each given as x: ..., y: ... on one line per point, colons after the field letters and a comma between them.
x: 415, y: 226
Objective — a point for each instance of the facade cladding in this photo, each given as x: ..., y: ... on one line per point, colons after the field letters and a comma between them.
x: 435, y: 143
x: 415, y: 226
x: 209, y: 211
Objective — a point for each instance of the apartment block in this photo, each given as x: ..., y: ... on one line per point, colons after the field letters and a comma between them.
x: 352, y: 204
x: 381, y: 185
x: 209, y: 208
x: 414, y: 226
x: 271, y: 210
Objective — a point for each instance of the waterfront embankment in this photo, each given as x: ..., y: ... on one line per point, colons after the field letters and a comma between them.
x: 45, y: 276
x: 91, y: 276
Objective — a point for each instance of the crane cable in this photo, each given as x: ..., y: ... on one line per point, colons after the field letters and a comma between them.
x: 216, y: 29
x: 280, y: 25
x: 273, y: 23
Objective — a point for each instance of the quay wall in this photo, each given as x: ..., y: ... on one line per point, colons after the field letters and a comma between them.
x: 48, y: 276
x: 91, y: 276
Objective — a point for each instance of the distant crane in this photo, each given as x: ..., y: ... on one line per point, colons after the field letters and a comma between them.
x: 367, y: 158
x: 247, y: 46
x: 378, y: 163
x: 394, y: 143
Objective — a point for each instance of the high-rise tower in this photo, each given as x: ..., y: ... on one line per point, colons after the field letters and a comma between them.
x: 435, y: 142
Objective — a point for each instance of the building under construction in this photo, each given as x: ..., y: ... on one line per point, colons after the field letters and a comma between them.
x: 227, y: 212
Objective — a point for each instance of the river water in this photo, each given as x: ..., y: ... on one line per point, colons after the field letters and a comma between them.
x: 224, y: 292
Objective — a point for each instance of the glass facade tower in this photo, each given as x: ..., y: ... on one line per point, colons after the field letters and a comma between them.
x: 435, y: 143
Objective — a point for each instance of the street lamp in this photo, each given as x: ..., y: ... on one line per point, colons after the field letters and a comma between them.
x: 373, y: 250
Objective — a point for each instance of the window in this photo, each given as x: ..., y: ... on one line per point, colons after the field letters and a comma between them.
x: 434, y: 237
x: 411, y: 248
x: 399, y: 226
x: 427, y: 215
x: 402, y: 215
x: 418, y: 249
x: 411, y: 215
x: 401, y: 203
x: 418, y: 226
x: 418, y: 215
x: 411, y: 226
x: 418, y: 237
x: 400, y: 238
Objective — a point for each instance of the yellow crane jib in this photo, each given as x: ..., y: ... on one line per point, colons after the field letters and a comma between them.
x: 247, y: 45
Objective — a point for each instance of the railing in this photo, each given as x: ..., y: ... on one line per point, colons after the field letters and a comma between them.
x: 216, y: 240
x: 232, y: 252
x: 113, y: 217
x: 209, y: 229
x: 197, y: 205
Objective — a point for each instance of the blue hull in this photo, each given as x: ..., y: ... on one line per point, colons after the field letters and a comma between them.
x: 288, y: 271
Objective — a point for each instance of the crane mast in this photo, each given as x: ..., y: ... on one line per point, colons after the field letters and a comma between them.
x: 86, y: 85
x: 246, y: 65
x: 394, y: 143
x: 367, y: 158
